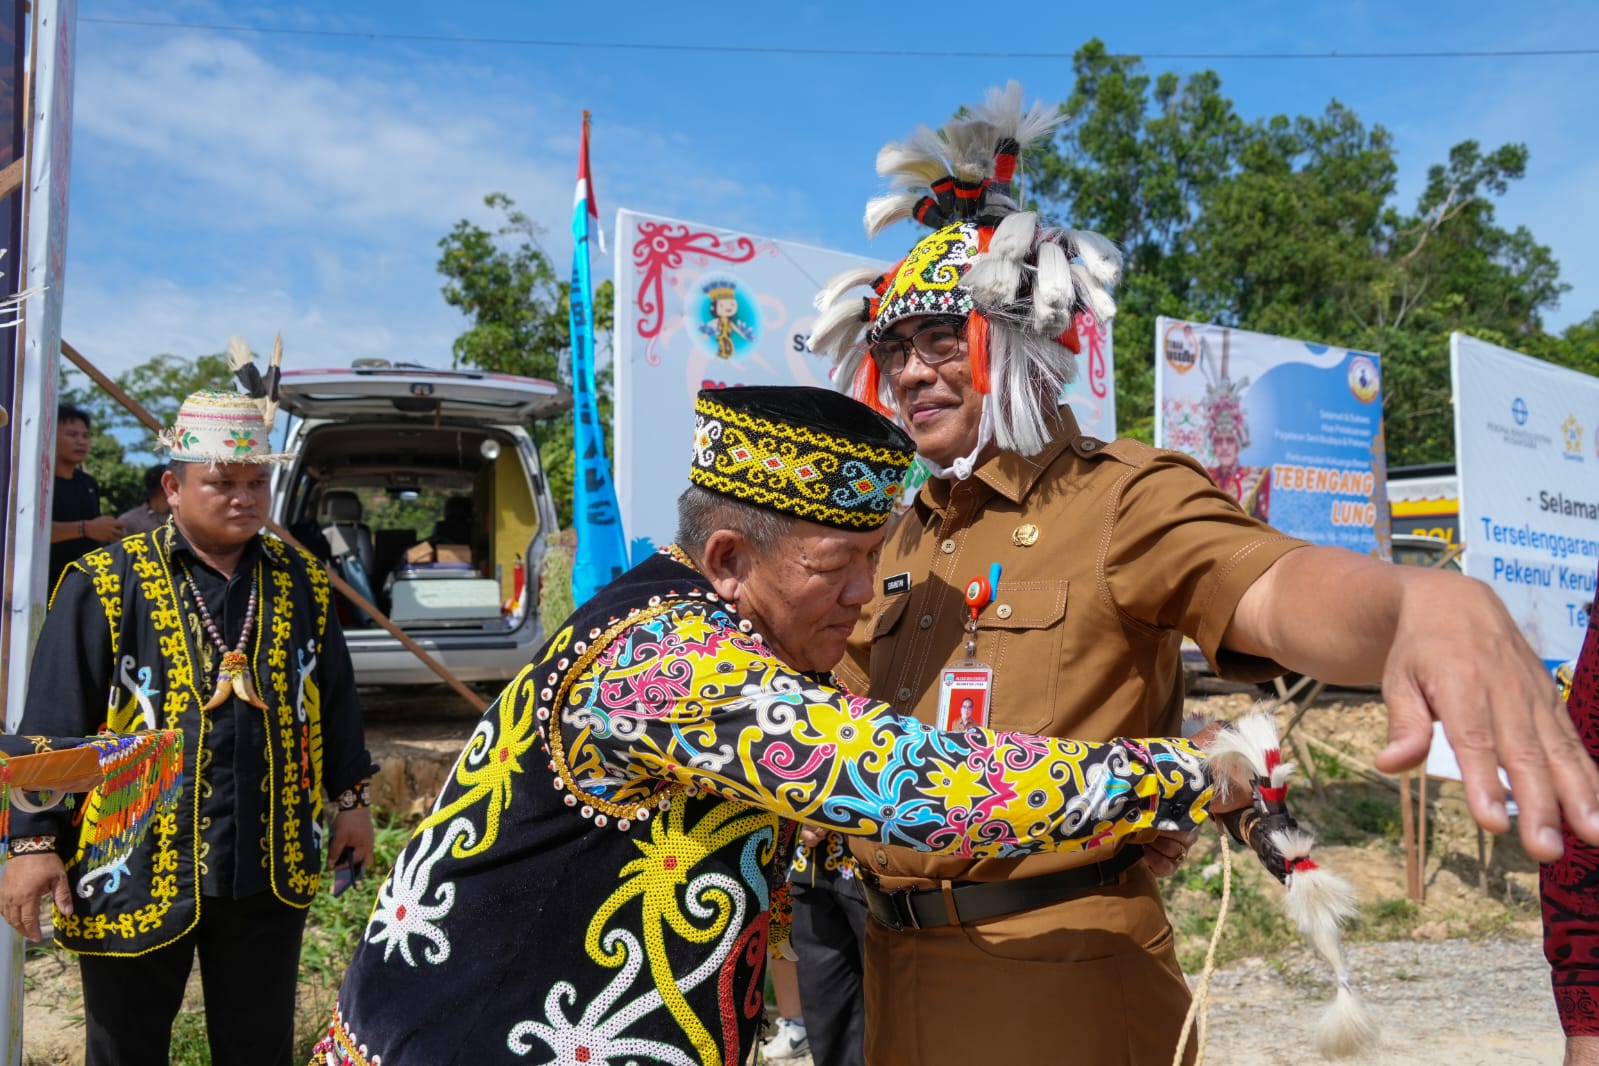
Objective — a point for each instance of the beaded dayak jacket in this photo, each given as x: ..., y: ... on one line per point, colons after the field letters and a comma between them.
x: 596, y: 881
x: 123, y: 649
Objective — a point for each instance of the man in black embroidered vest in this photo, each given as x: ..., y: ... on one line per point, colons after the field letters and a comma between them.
x: 206, y: 626
x: 601, y: 878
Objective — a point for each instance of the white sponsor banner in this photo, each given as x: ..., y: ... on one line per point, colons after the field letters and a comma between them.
x: 1527, y: 451
x: 1291, y: 428
x: 697, y: 307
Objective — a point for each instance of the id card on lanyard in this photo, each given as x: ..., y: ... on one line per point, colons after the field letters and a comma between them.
x: 966, y: 685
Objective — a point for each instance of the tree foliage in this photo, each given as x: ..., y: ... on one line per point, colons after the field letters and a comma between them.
x: 1288, y: 225
x: 517, y: 309
x: 122, y: 447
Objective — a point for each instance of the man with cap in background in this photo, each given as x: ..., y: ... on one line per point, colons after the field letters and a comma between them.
x: 207, y: 627
x: 600, y: 879
x: 1108, y: 553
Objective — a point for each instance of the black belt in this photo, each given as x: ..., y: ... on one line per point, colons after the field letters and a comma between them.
x: 923, y: 908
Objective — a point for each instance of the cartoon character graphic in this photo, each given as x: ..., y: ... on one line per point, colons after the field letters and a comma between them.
x: 723, y: 324
x: 1228, y: 433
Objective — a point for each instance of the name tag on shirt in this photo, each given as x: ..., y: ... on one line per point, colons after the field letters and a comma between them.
x: 897, y: 584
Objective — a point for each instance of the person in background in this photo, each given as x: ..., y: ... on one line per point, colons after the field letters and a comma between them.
x: 789, y: 1040
x: 1569, y: 886
x: 829, y: 928
x: 146, y: 517
x: 76, y: 524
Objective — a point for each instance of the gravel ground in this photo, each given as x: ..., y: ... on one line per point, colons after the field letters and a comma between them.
x: 1458, y: 1002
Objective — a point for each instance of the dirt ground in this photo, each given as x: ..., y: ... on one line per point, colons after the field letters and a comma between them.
x: 1458, y: 978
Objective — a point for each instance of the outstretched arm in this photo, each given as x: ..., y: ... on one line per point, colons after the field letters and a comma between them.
x: 1445, y: 648
x: 686, y: 697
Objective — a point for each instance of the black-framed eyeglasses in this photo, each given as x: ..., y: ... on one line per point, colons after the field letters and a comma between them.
x: 936, y: 343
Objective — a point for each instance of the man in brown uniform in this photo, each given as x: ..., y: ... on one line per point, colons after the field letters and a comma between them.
x: 1109, y: 553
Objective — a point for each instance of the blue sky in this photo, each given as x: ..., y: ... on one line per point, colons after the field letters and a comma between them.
x: 229, y: 182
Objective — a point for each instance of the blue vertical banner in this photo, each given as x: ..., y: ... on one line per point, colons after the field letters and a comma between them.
x: 601, y: 550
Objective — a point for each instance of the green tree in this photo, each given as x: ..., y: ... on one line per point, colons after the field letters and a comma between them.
x: 517, y: 308
x: 1287, y: 225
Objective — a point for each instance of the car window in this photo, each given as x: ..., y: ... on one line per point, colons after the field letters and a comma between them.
x: 417, y: 510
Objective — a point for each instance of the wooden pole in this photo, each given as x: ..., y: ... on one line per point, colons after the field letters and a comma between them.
x: 344, y: 588
x: 1407, y: 829
x: 1421, y: 839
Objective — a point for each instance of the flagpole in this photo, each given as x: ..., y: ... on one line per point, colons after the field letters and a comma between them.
x: 601, y: 554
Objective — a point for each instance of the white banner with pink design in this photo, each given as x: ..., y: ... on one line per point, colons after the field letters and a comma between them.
x: 700, y: 306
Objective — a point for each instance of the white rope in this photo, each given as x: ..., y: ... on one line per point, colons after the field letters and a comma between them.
x: 1199, y: 1006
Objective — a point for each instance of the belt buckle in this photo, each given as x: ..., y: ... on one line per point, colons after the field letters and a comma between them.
x: 907, y: 913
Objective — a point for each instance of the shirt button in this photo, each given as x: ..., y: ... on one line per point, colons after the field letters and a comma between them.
x: 1090, y: 445
x: 881, y: 856
x: 926, y: 622
x: 948, y: 547
x: 1003, y: 610
x: 903, y: 695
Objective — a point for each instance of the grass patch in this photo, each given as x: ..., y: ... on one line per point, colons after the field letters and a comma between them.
x: 1256, y: 925
x: 1357, y: 814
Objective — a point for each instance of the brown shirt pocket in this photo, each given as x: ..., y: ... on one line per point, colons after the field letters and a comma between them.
x: 1020, y: 636
x: 883, y: 623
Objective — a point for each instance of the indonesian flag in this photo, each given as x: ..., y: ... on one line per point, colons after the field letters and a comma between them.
x: 583, y: 197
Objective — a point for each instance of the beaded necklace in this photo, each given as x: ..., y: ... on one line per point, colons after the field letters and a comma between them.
x: 233, y: 679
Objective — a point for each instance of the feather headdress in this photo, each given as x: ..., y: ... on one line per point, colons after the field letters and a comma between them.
x: 1019, y: 285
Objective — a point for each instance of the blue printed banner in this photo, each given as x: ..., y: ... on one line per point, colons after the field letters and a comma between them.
x: 1290, y: 428
x: 601, y: 548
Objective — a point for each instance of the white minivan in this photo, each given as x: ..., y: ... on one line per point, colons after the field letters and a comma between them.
x: 423, y: 490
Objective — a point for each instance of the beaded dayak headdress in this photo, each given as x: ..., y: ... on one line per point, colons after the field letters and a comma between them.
x: 1019, y: 285
x: 800, y: 451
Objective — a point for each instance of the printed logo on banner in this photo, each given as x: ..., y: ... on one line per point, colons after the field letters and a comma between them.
x: 726, y: 317
x: 1518, y: 411
x: 1363, y: 379
x: 1571, y: 430
x: 1181, y: 347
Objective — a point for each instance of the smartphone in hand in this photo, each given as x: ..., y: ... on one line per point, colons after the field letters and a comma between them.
x: 346, y: 872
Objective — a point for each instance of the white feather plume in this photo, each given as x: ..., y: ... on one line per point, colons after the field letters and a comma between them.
x: 1002, y: 109
x: 996, y: 276
x: 1099, y: 254
x: 918, y: 160
x: 971, y: 148
x: 838, y: 328
x: 842, y: 282
x: 239, y: 354
x: 1093, y: 294
x: 1053, y: 293
x: 1247, y: 742
x: 883, y: 211
x: 1345, y: 1029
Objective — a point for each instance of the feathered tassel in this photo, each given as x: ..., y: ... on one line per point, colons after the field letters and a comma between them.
x: 1317, y: 901
x: 1054, y: 297
x: 840, y: 283
x: 1092, y: 295
x: 995, y: 277
x: 1002, y: 109
x: 242, y: 362
x: 839, y: 327
x: 971, y: 148
x: 919, y: 160
x: 143, y: 779
x: 268, y: 400
x: 1099, y: 255
x: 883, y: 211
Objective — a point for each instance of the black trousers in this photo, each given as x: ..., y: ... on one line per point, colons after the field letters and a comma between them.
x: 828, y: 933
x: 249, y: 966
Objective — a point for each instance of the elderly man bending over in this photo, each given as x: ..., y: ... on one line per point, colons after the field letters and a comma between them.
x: 600, y: 879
